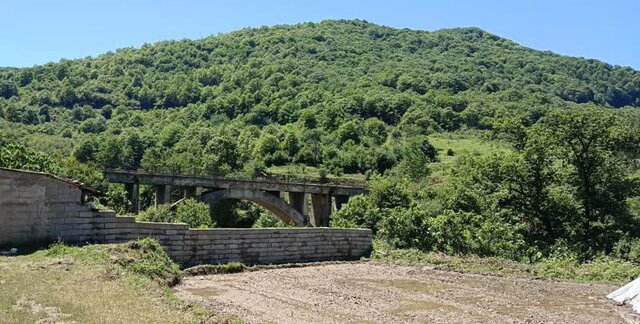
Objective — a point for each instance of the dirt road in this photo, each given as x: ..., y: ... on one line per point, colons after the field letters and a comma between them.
x: 380, y: 293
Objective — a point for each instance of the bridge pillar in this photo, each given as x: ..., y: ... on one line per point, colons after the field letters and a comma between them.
x: 298, y: 200
x: 340, y: 200
x: 190, y: 192
x: 133, y: 194
x: 163, y: 194
x: 321, y: 204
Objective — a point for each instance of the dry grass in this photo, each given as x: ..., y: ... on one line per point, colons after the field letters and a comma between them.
x: 84, y: 285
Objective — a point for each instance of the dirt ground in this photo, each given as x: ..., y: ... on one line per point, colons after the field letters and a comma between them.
x: 381, y: 293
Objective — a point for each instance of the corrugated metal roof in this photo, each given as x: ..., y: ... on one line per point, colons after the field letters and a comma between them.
x: 628, y: 294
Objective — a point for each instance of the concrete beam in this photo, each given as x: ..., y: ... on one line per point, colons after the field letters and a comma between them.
x: 163, y: 194
x: 321, y: 205
x: 226, y: 183
x: 133, y: 194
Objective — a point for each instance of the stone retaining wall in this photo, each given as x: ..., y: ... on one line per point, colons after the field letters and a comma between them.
x: 37, y: 208
x: 250, y: 246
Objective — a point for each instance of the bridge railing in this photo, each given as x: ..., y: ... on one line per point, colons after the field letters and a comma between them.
x: 287, y: 179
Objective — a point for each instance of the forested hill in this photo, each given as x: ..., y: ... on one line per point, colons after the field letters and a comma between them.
x: 469, y: 142
x: 275, y: 72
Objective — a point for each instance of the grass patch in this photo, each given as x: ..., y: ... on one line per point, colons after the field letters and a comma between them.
x: 146, y: 257
x: 124, y: 283
x: 460, y: 145
x: 208, y: 269
x: 601, y: 270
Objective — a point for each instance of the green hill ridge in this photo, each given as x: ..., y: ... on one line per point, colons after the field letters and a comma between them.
x: 470, y: 143
x: 278, y: 70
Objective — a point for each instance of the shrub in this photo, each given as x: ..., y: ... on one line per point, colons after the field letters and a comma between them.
x: 463, y: 232
x: 452, y: 232
x: 628, y: 249
x: 18, y: 156
x: 116, y: 199
x: 255, y: 169
x: 406, y: 228
x: 160, y: 214
x: 93, y: 125
x: 194, y: 213
x: 268, y: 220
x: 389, y: 193
x: 358, y: 212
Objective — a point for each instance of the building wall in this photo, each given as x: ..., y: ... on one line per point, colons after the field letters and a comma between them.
x: 32, y: 205
x: 37, y: 208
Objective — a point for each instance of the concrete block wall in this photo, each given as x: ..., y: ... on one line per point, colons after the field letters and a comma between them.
x: 37, y: 208
x: 23, y: 209
x: 265, y: 246
x: 250, y: 246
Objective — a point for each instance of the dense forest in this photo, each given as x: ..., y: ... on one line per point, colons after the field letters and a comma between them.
x: 470, y: 143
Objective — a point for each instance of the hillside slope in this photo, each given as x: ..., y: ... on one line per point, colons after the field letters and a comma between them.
x: 470, y: 142
x: 277, y: 71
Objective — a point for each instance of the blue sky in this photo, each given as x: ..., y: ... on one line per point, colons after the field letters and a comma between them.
x: 37, y: 32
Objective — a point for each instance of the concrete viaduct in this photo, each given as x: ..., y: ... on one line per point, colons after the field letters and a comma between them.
x: 268, y: 193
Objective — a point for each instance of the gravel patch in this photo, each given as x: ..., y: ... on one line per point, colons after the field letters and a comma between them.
x: 382, y: 293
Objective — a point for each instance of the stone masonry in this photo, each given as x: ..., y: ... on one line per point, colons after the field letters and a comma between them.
x: 37, y: 208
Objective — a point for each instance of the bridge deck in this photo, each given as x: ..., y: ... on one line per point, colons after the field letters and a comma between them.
x: 121, y: 176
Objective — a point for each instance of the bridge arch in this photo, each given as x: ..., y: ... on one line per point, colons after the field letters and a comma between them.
x: 270, y: 202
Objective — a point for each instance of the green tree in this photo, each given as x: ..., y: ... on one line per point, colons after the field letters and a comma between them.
x: 17, y: 156
x: 376, y: 131
x: 94, y: 125
x: 86, y: 150
x: 109, y: 154
x: 8, y: 89
x: 417, y: 155
x: 595, y: 151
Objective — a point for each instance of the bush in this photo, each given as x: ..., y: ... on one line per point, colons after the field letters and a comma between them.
x: 452, y: 232
x: 194, y: 213
x: 255, y: 169
x: 628, y: 249
x: 359, y: 212
x: 116, y: 199
x: 389, y: 193
x: 18, y: 156
x: 93, y: 125
x: 268, y: 220
x: 462, y: 232
x: 406, y: 228
x: 158, y: 214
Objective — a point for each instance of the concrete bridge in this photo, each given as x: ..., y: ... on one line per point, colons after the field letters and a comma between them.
x: 288, y: 200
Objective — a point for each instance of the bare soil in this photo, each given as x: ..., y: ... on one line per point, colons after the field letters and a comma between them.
x: 381, y: 293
